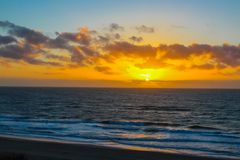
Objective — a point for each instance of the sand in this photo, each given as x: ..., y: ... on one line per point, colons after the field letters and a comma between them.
x: 14, y: 148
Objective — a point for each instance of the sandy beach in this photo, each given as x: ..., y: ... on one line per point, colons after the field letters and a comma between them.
x: 14, y: 148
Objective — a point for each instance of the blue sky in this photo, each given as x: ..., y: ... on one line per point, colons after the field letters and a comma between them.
x: 220, y: 18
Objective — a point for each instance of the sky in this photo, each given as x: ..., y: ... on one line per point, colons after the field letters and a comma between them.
x: 112, y: 43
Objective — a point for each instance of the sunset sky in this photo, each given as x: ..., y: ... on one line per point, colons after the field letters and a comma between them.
x: 113, y: 43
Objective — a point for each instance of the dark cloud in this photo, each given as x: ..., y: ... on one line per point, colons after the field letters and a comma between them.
x: 145, y: 29
x: 103, y: 39
x: 29, y: 35
x: 225, y: 55
x: 24, y: 53
x: 58, y: 43
x: 15, y: 51
x: 80, y: 51
x: 115, y: 27
x: 7, y: 40
x: 89, y: 51
x: 131, y: 50
x: 136, y: 39
x: 62, y: 41
x: 36, y: 45
x: 77, y: 55
x: 107, y: 38
x: 175, y: 51
x: 83, y: 37
x: 73, y: 37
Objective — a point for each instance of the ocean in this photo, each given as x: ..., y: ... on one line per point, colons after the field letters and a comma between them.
x: 193, y: 121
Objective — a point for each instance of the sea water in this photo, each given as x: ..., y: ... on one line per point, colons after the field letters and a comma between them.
x: 194, y: 121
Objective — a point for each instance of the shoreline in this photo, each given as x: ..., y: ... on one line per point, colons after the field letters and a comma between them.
x: 17, y: 148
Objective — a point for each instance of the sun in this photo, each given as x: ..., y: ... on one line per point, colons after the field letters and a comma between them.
x: 146, y: 76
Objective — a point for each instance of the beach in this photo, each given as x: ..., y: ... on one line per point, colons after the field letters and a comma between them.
x: 15, y: 148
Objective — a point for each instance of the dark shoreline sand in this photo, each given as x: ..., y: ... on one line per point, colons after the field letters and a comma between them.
x: 14, y: 148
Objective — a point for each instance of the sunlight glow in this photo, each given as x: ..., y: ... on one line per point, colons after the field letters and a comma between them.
x: 146, y: 74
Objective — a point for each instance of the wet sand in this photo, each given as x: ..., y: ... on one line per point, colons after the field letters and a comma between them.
x: 14, y: 148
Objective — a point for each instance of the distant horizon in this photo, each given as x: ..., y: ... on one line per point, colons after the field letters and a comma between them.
x: 184, y: 84
x: 120, y: 88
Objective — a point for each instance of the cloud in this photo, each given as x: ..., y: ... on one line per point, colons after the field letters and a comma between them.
x: 6, y: 40
x: 136, y: 39
x: 87, y: 48
x: 34, y: 39
x: 145, y: 29
x: 58, y: 42
x: 107, y: 38
x: 129, y: 49
x: 29, y: 35
x: 224, y: 55
x: 27, y: 45
x: 82, y: 37
x: 115, y: 27
x: 196, y: 56
x: 16, y: 51
x: 24, y: 53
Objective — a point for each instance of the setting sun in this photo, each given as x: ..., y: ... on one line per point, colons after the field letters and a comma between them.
x: 147, y: 74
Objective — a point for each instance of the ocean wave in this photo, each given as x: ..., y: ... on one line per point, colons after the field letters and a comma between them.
x: 203, y: 127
